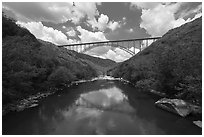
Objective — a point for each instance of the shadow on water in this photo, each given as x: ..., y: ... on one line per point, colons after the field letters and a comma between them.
x: 98, y: 107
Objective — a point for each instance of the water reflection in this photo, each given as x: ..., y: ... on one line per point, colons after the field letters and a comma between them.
x: 105, y: 111
x: 90, y: 108
x: 103, y: 99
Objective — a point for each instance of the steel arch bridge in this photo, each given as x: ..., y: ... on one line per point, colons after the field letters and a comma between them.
x: 131, y: 46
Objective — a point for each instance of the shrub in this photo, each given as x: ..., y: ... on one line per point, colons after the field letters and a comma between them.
x: 147, y: 84
x: 60, y: 77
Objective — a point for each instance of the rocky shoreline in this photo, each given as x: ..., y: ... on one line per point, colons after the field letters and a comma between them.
x: 20, y: 105
x: 32, y: 100
x: 177, y: 106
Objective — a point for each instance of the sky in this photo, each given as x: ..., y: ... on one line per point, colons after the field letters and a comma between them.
x: 77, y: 22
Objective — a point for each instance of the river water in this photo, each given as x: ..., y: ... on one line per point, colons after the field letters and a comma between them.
x: 97, y: 107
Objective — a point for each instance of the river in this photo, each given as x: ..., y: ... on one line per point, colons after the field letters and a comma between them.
x: 97, y: 107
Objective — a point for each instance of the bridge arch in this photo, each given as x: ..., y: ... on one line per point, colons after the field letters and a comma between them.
x: 122, y: 44
x: 111, y: 45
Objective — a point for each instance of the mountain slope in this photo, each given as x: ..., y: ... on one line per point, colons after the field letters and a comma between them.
x: 172, y: 64
x: 99, y: 64
x: 30, y: 65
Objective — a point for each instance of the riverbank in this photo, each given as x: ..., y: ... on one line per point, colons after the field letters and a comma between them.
x: 32, y: 100
x: 170, y: 67
x: 100, y: 106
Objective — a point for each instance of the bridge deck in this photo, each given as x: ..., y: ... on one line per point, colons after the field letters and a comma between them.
x: 109, y: 41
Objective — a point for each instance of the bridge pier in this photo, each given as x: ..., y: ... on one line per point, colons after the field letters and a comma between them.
x: 140, y: 44
x: 134, y: 47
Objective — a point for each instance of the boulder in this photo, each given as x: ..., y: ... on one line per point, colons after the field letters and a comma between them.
x: 195, y: 110
x: 177, y: 106
x: 198, y: 123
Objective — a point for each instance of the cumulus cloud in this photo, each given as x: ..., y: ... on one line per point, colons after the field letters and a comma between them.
x: 103, y: 23
x: 108, y: 52
x: 71, y: 32
x: 59, y: 12
x: 158, y: 18
x: 46, y: 33
x: 99, y: 51
x: 82, y: 9
x: 88, y: 36
x: 102, y: 51
x: 117, y: 55
x: 56, y: 12
x: 114, y: 25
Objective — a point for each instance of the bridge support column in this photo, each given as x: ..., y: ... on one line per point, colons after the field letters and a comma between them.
x: 140, y: 44
x: 134, y: 46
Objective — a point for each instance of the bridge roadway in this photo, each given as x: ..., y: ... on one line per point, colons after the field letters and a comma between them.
x: 128, y: 45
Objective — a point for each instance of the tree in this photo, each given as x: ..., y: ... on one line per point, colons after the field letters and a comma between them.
x: 61, y: 76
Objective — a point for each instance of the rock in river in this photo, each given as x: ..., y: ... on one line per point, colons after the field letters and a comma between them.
x: 177, y: 106
x: 198, y: 123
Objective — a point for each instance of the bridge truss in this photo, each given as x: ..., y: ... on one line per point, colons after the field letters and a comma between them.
x: 132, y: 46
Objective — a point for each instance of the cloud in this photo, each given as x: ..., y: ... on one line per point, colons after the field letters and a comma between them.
x: 144, y: 5
x: 103, y: 23
x: 59, y: 12
x: 103, y: 20
x: 56, y: 12
x: 124, y: 21
x: 88, y: 36
x: 136, y: 50
x: 99, y: 51
x: 187, y: 9
x: 40, y: 11
x: 46, y: 33
x: 130, y: 30
x: 83, y: 9
x: 108, y: 52
x: 114, y: 25
x: 158, y: 18
x: 71, y: 32
x: 124, y: 18
x: 117, y: 55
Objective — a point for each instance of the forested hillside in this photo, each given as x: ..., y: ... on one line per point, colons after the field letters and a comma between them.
x: 99, y: 64
x: 30, y: 65
x: 172, y: 64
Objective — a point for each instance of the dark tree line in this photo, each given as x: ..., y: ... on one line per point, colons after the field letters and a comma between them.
x: 30, y: 66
